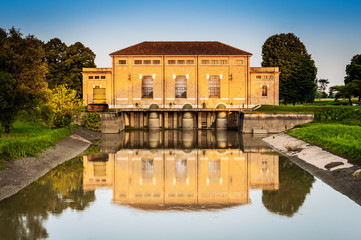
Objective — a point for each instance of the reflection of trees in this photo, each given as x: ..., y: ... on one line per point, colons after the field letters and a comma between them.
x: 22, y: 216
x: 295, y: 184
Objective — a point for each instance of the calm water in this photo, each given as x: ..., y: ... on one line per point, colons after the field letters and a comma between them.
x: 179, y: 185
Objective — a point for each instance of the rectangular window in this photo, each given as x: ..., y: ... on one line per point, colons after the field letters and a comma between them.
x: 91, y: 77
x: 147, y: 62
x: 258, y: 77
x: 214, y: 170
x: 239, y: 62
x: 214, y: 62
x: 137, y: 62
x: 205, y: 61
x: 190, y: 61
x: 181, y: 87
x: 180, y: 61
x: 102, y: 77
x: 171, y: 61
x: 214, y: 86
x: 224, y: 62
x: 157, y: 62
x: 96, y: 77
x: 264, y: 90
x: 122, y: 62
x: 147, y: 170
x: 147, y: 87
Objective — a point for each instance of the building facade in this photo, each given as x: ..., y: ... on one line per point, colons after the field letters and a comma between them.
x: 154, y: 170
x: 205, y: 75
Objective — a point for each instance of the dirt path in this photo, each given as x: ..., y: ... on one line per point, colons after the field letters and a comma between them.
x: 21, y: 172
x: 331, y: 169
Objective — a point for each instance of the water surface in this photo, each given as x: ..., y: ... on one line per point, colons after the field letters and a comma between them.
x: 179, y: 185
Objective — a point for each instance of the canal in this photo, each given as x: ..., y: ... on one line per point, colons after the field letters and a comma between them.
x: 179, y: 185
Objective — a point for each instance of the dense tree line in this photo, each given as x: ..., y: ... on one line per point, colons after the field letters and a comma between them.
x: 298, y: 71
x: 65, y: 63
x: 29, y: 67
x: 22, y: 74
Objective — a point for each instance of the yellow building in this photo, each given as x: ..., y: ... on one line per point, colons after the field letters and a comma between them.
x: 156, y: 171
x: 203, y: 75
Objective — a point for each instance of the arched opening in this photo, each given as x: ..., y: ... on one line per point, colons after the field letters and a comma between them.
x: 221, y: 106
x: 153, y: 106
x: 147, y: 87
x: 187, y: 106
x: 214, y: 86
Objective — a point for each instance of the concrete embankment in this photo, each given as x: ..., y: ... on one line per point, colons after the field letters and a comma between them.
x: 331, y: 169
x: 271, y: 122
x: 21, y: 172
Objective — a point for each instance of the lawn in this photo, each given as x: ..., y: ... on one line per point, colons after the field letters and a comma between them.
x: 301, y: 108
x: 336, y: 127
x: 27, y: 139
x: 339, y: 138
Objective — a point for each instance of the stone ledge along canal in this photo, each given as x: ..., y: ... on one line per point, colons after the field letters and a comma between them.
x: 179, y: 185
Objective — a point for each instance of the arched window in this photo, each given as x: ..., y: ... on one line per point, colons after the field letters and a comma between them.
x: 181, y: 87
x: 214, y: 87
x: 147, y: 87
x: 264, y: 90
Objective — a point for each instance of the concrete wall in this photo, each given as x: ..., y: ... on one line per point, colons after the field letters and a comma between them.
x: 272, y: 122
x: 112, y: 122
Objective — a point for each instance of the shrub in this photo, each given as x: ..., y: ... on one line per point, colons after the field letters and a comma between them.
x: 92, y: 121
x: 338, y: 114
x: 62, y: 106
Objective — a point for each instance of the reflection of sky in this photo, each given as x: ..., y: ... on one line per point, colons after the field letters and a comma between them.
x: 329, y: 29
x: 318, y: 218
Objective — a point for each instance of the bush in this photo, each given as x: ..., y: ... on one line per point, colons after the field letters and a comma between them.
x: 92, y: 121
x: 62, y: 106
x: 338, y: 114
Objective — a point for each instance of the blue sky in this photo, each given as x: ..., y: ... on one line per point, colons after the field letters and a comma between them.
x: 331, y: 30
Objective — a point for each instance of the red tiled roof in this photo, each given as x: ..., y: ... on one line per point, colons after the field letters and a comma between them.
x: 180, y: 48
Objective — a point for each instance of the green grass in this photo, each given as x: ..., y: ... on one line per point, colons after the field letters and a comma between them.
x: 300, y: 108
x: 28, y: 139
x: 339, y: 138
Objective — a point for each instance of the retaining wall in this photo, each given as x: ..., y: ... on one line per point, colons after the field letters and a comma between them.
x: 272, y: 122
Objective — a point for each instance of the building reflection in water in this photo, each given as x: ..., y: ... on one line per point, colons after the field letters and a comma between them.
x: 181, y: 170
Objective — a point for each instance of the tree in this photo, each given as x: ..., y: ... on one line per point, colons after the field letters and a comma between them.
x: 55, y: 54
x: 62, y: 105
x: 23, y: 216
x: 8, y: 99
x: 23, y: 74
x: 298, y: 70
x: 357, y: 89
x: 353, y: 70
x: 347, y: 91
x: 322, y: 85
x: 295, y: 184
x: 66, y: 63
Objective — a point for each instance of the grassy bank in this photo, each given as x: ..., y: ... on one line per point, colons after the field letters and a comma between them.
x: 28, y: 139
x: 339, y: 138
x: 302, y: 108
x: 336, y: 128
